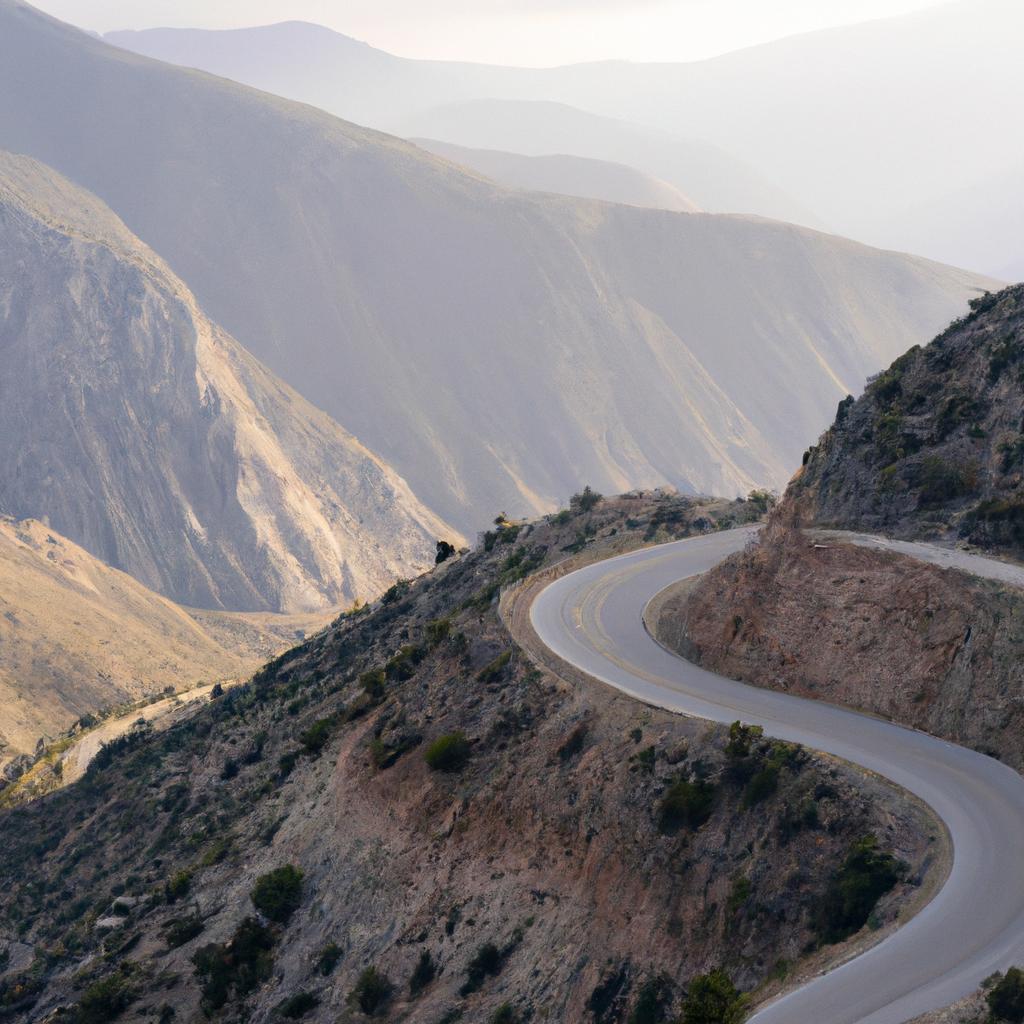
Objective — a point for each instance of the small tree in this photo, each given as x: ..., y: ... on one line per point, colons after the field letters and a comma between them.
x: 278, y: 893
x: 585, y: 501
x: 448, y: 753
x: 372, y: 991
x: 1006, y: 1000
x: 713, y: 999
x: 444, y: 552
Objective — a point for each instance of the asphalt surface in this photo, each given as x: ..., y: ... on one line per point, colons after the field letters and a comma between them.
x: 975, y: 925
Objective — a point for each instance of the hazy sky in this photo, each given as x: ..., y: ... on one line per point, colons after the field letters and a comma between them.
x: 526, y: 32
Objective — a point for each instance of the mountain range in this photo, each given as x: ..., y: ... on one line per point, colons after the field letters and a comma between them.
x: 497, y: 348
x: 866, y: 125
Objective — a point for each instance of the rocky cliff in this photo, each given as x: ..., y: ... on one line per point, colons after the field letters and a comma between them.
x: 140, y: 430
x: 933, y: 450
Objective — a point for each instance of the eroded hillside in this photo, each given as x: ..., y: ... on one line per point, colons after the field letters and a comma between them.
x: 933, y: 450
x: 144, y: 433
x: 404, y: 817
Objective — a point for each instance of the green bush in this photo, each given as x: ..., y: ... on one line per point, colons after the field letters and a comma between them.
x: 371, y: 992
x: 494, y: 670
x: 585, y: 501
x: 865, y: 875
x: 329, y: 958
x: 298, y: 1005
x: 437, y: 631
x: 423, y: 973
x: 104, y: 1000
x: 1006, y: 998
x: 686, y: 803
x: 278, y: 893
x: 505, y: 1014
x: 316, y: 737
x: 182, y: 929
x: 177, y: 886
x: 238, y: 966
x: 487, y: 963
x: 448, y: 753
x: 713, y: 999
x: 649, y: 1007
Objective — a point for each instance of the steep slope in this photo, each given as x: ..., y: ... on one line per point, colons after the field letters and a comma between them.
x: 442, y: 893
x: 147, y: 435
x: 933, y: 450
x: 863, y: 123
x: 77, y: 637
x: 497, y: 348
x: 566, y: 175
x: 935, y: 447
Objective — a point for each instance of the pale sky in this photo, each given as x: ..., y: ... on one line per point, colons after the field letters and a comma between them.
x: 524, y: 32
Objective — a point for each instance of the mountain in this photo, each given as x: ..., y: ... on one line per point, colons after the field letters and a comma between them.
x: 935, y: 446
x: 456, y: 103
x: 497, y: 348
x: 351, y: 836
x: 715, y: 180
x: 932, y: 451
x: 862, y: 123
x: 144, y: 433
x: 566, y: 175
x: 77, y: 637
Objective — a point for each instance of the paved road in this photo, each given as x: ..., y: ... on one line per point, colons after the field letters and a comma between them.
x: 975, y: 925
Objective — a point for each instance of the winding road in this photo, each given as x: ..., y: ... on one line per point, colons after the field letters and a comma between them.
x: 593, y: 619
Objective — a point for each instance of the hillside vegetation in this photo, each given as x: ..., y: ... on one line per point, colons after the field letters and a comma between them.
x: 359, y: 832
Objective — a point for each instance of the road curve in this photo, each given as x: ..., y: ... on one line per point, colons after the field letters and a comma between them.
x: 592, y: 618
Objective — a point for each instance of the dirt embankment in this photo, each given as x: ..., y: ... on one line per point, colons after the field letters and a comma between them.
x: 931, y: 648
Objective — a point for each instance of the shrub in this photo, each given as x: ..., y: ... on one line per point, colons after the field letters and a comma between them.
x: 585, y: 501
x: 278, y: 893
x: 437, y: 631
x: 487, y: 962
x: 395, y: 592
x: 713, y: 999
x: 505, y: 1014
x: 1006, y: 998
x: 177, y: 886
x: 686, y: 803
x: 329, y: 958
x: 444, y: 552
x: 182, y: 929
x: 448, y: 753
x: 423, y: 974
x: 573, y: 743
x: 865, y: 875
x: 939, y: 481
x: 372, y: 683
x: 238, y: 966
x: 104, y: 1000
x: 371, y: 992
x: 649, y: 1007
x: 494, y: 670
x: 298, y: 1005
x: 315, y: 738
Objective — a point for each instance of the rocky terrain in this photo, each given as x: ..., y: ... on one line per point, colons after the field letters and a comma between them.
x: 359, y: 831
x: 141, y: 431
x: 935, y: 447
x: 930, y: 452
x: 496, y: 348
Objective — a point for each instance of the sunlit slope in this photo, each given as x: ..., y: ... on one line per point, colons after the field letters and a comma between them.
x: 143, y: 432
x: 497, y: 348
